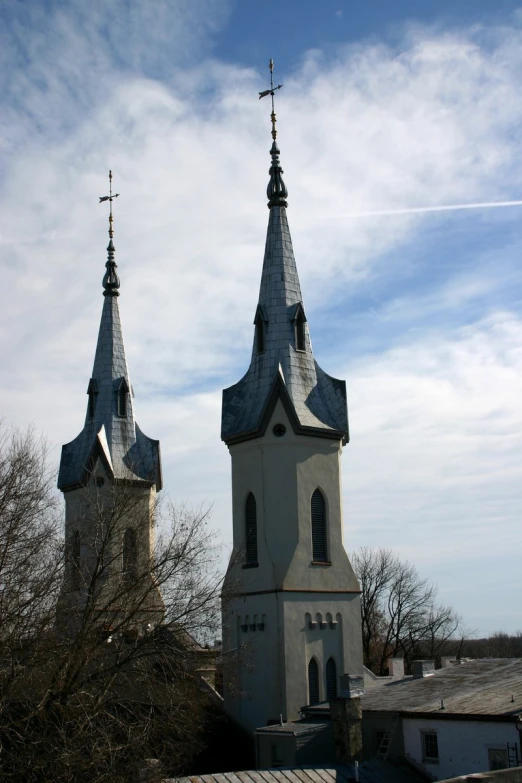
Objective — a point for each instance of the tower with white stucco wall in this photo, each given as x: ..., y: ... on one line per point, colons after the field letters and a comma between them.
x: 291, y: 617
x: 110, y: 475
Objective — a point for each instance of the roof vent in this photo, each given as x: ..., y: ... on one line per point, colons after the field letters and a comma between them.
x: 423, y: 669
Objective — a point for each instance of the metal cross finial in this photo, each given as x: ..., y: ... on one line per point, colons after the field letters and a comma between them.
x: 277, y: 191
x: 109, y: 198
x: 111, y: 281
x: 271, y: 92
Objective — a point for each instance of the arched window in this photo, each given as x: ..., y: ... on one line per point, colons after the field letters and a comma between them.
x: 251, y: 530
x: 318, y: 515
x: 313, y: 682
x: 260, y: 333
x: 331, y: 679
x: 76, y: 553
x: 300, y: 338
x: 123, y: 393
x: 130, y: 555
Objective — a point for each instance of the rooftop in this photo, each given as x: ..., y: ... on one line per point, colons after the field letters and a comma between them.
x: 489, y: 686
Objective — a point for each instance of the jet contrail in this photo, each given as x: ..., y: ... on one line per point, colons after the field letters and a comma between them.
x: 420, y: 210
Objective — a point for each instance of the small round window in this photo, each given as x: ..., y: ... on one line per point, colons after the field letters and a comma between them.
x: 279, y: 430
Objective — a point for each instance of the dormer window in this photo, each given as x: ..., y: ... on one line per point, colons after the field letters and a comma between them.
x: 299, y: 326
x: 260, y: 324
x: 92, y: 391
x: 123, y: 398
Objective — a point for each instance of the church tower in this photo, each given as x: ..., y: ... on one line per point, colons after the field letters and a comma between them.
x: 109, y: 475
x: 291, y: 615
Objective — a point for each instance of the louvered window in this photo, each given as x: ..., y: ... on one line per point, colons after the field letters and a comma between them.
x: 331, y: 679
x: 92, y: 391
x: 260, y: 334
x: 130, y: 555
x: 122, y: 401
x: 313, y: 682
x: 300, y: 340
x: 251, y: 530
x: 318, y: 514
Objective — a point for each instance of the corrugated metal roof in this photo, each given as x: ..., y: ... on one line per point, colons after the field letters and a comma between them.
x: 332, y: 775
x: 483, y: 687
x: 371, y: 771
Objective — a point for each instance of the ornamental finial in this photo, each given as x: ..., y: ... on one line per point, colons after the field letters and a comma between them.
x: 111, y: 281
x: 277, y: 191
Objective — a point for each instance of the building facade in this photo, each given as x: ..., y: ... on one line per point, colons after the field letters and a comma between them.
x: 459, y: 720
x: 291, y: 616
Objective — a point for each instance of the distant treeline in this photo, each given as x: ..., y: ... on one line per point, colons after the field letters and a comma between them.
x: 498, y: 645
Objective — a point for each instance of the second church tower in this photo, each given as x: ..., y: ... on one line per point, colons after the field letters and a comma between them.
x: 292, y: 625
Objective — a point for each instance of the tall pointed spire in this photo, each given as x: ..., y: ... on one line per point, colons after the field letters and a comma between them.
x: 282, y: 358
x: 110, y: 431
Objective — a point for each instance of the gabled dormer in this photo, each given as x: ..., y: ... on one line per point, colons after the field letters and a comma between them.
x: 299, y: 320
x: 122, y: 398
x: 92, y: 392
x: 261, y: 326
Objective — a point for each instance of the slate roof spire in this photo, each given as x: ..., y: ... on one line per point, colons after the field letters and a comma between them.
x: 282, y: 362
x: 110, y: 431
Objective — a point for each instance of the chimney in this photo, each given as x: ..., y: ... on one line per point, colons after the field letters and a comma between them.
x: 396, y: 668
x: 346, y: 712
x: 447, y: 660
x: 423, y: 669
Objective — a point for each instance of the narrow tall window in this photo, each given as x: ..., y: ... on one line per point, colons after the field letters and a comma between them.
x: 318, y: 515
x: 331, y: 679
x: 76, y: 559
x: 313, y: 682
x: 430, y: 746
x: 92, y: 391
x: 251, y: 530
x: 300, y: 338
x: 260, y: 333
x: 123, y: 393
x: 130, y: 555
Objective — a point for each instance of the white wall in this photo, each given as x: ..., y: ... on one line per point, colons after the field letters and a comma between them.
x: 266, y: 672
x: 463, y: 745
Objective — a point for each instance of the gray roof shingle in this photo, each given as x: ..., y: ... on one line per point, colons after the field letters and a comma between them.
x: 318, y: 400
x: 489, y: 686
x: 127, y: 453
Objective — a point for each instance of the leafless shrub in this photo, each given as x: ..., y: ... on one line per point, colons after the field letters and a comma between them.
x: 100, y: 667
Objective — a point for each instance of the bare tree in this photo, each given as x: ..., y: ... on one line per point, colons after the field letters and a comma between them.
x: 400, y: 613
x: 99, y: 664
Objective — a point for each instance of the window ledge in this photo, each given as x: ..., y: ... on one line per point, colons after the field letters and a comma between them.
x: 321, y: 563
x: 250, y: 565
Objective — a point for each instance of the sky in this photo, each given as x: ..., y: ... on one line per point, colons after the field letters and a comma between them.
x: 385, y: 107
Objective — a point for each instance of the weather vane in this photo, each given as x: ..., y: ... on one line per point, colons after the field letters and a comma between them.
x: 109, y: 198
x: 271, y: 92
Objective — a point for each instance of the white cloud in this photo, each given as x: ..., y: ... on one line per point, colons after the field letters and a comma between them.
x: 432, y: 122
